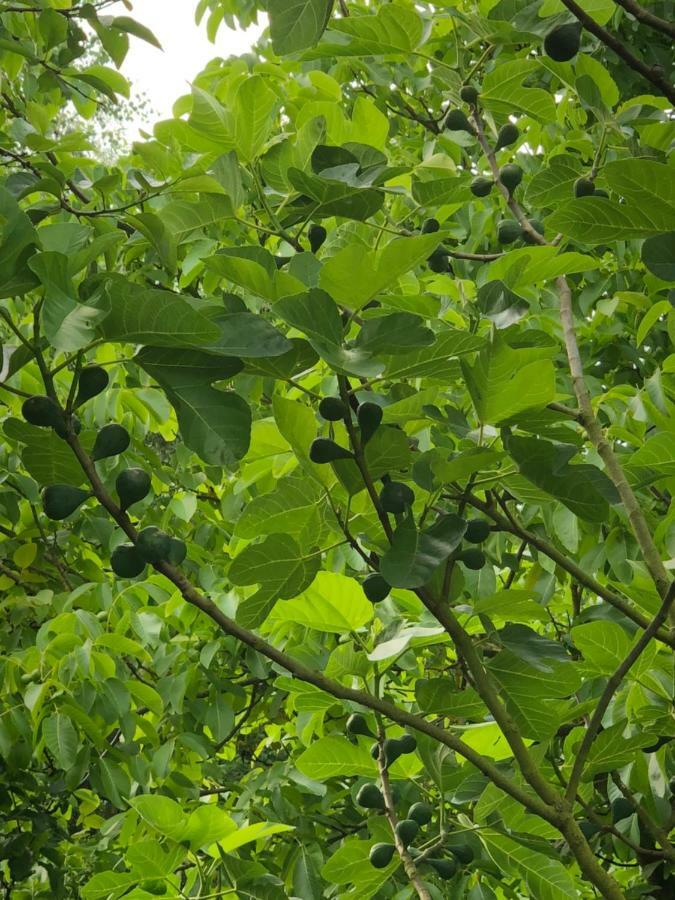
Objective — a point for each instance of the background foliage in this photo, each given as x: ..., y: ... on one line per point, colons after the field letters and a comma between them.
x: 309, y: 225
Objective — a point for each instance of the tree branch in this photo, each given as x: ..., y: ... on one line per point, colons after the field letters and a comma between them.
x: 647, y: 18
x: 512, y: 525
x: 390, y: 812
x: 611, y: 687
x: 635, y: 515
x: 652, y: 74
x: 192, y: 596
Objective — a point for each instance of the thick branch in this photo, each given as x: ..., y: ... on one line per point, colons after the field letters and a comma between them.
x: 515, y: 527
x: 647, y: 18
x: 191, y: 595
x: 652, y: 74
x: 611, y: 687
x: 390, y: 812
x: 637, y: 520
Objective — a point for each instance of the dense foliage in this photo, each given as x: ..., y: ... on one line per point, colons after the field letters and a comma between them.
x: 337, y: 457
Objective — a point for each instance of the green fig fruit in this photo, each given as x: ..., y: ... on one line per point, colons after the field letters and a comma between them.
x: 110, y: 441
x: 369, y: 416
x: 126, y: 561
x: 391, y: 749
x: 456, y: 120
x: 445, y: 868
x: 370, y: 797
x: 153, y: 544
x: 439, y: 262
x: 584, y: 187
x: 406, y: 831
x: 469, y: 94
x: 589, y: 829
x: 177, y: 551
x: 375, y: 587
x: 508, y: 231
x: 155, y: 886
x: 375, y: 751
x: 356, y: 724
x: 68, y: 423
x: 481, y: 187
x: 508, y: 134
x: 430, y: 226
x: 599, y: 192
x: 93, y: 380
x: 473, y: 558
x: 536, y: 225
x: 133, y: 485
x: 60, y: 500
x: 421, y: 813
x: 324, y: 450
x: 562, y: 43
x: 281, y: 261
x: 396, y: 497
x: 332, y: 409
x: 477, y: 531
x: 317, y: 235
x: 621, y: 809
x: 407, y: 743
x: 463, y: 853
x: 511, y: 176
x: 381, y: 855
x: 42, y: 411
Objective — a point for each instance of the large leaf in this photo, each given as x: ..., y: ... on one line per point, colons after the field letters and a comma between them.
x: 583, y: 488
x: 415, y: 555
x: 146, y: 316
x: 297, y: 24
x: 215, y: 424
x: 277, y: 563
x: 545, y: 878
x: 68, y: 324
x: 335, y: 757
x: 355, y: 274
x: 333, y: 603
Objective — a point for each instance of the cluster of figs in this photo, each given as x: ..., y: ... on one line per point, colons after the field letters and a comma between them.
x: 418, y: 816
x: 132, y: 485
x: 561, y: 44
x: 395, y: 497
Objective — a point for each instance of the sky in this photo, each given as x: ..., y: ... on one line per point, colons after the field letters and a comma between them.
x: 164, y: 76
